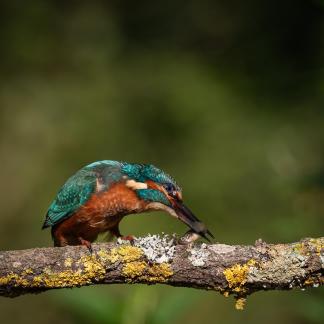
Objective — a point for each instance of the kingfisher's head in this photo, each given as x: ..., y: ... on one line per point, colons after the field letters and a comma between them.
x: 161, y: 192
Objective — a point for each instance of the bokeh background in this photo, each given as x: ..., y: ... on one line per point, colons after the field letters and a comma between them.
x: 226, y: 96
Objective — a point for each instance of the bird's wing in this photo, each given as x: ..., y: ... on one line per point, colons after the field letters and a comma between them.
x: 77, y: 190
x: 74, y: 193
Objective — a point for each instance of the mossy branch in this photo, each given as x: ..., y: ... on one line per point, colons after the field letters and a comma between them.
x: 238, y: 270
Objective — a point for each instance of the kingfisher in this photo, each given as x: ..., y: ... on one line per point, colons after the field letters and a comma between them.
x: 96, y: 198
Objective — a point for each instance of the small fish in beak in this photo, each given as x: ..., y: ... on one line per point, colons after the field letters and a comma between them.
x: 186, y: 216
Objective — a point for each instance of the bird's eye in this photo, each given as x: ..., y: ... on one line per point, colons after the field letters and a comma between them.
x: 170, y: 189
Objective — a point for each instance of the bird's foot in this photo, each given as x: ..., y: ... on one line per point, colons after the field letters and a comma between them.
x: 129, y: 238
x: 86, y: 243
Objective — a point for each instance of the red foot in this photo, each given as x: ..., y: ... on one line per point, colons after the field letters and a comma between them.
x: 129, y: 238
x: 86, y: 243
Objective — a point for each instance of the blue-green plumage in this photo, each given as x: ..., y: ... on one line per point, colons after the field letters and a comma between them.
x: 143, y: 172
x: 78, y: 188
x: 153, y: 196
x: 99, y: 177
x: 75, y: 192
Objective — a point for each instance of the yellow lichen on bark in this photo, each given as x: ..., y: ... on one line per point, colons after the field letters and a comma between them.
x: 142, y: 271
x: 134, y: 269
x: 308, y: 246
x: 90, y: 270
x: 128, y: 253
x: 240, y: 303
x: 159, y: 272
x: 236, y: 275
x: 318, y: 244
x: 68, y: 262
x: 15, y: 279
x: 301, y: 248
x: 124, y: 253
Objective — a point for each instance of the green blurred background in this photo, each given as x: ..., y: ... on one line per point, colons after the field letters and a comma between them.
x: 226, y: 96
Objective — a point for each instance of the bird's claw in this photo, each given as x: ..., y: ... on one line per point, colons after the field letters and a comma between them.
x: 129, y: 238
x: 86, y: 244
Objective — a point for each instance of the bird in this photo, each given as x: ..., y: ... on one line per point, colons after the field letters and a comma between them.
x: 96, y: 198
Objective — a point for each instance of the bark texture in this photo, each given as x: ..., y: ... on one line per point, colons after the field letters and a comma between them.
x: 238, y: 270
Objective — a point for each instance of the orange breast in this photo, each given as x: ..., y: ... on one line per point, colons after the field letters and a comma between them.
x: 101, y: 212
x: 118, y: 201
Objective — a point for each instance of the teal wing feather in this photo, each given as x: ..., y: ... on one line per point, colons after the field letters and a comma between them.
x: 74, y: 193
x: 78, y: 189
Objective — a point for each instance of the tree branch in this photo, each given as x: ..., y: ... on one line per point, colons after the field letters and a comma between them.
x: 239, y: 270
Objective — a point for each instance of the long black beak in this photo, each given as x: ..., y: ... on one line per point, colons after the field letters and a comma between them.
x: 186, y: 216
